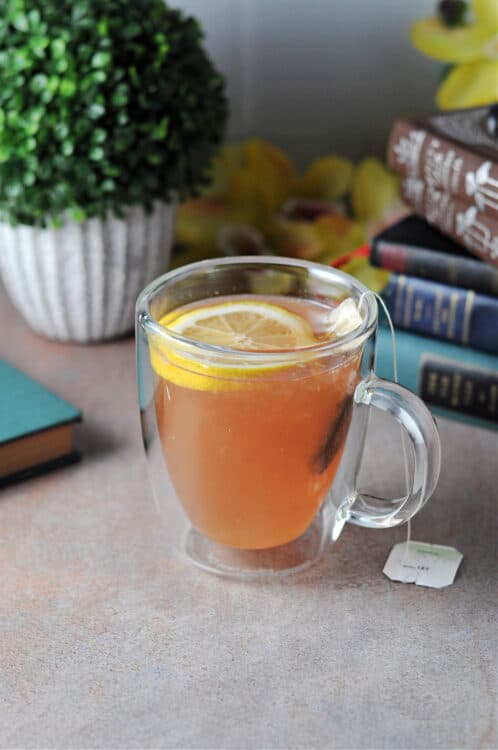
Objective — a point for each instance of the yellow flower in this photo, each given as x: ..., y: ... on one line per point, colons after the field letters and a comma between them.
x: 297, y: 239
x: 471, y: 48
x: 339, y: 235
x: 252, y: 179
x: 225, y: 164
x: 328, y: 178
x: 324, y: 239
x: 199, y: 221
x: 375, y: 190
x: 273, y: 167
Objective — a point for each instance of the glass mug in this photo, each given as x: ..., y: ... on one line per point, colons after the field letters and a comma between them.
x: 254, y: 455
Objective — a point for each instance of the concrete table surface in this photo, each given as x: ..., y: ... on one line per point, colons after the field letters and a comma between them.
x: 106, y: 642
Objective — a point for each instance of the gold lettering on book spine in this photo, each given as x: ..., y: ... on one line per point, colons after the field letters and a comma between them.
x: 451, y: 330
x: 436, y: 313
x: 467, y: 312
x: 456, y: 382
x: 418, y: 310
x: 468, y: 393
x: 432, y: 384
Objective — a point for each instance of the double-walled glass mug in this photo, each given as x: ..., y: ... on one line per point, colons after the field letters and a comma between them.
x: 254, y: 455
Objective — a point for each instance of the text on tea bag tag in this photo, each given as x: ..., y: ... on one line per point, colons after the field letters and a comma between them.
x: 432, y: 565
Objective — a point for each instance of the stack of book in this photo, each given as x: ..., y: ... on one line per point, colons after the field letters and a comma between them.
x: 443, y: 293
x: 444, y: 304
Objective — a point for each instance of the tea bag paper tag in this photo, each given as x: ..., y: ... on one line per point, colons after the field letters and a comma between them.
x: 432, y: 565
x: 344, y: 318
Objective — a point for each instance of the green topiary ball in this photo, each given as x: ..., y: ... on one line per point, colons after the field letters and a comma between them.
x: 103, y: 104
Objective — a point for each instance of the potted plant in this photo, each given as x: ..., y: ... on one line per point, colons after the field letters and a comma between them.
x: 109, y: 111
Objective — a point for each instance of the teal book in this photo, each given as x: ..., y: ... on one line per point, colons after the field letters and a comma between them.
x: 36, y: 427
x: 454, y: 381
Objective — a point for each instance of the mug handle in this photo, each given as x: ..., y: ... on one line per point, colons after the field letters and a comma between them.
x: 413, y: 415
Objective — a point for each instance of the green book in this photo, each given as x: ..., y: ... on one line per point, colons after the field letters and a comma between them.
x: 455, y: 381
x: 36, y: 427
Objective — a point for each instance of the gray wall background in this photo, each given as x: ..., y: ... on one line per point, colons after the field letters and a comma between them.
x: 316, y: 76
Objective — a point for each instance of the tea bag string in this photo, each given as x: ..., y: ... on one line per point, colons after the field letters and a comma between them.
x: 395, y: 378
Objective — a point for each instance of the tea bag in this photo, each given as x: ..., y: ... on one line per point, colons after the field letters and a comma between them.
x: 344, y: 318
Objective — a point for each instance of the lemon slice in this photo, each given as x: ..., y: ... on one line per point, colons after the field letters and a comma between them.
x: 243, y: 325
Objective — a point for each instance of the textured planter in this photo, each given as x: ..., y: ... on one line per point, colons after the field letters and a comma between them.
x: 80, y: 282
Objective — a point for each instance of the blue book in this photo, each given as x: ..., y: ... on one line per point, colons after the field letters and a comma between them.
x: 447, y: 312
x: 455, y: 382
x: 415, y: 248
x: 36, y: 427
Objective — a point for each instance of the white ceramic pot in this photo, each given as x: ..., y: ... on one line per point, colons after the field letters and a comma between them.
x: 80, y: 282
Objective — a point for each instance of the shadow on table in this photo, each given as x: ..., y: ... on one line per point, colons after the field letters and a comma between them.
x: 92, y: 441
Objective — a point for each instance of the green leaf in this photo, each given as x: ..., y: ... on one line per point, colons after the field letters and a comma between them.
x: 61, y: 131
x: 53, y: 83
x: 99, y: 76
x: 34, y: 18
x: 61, y: 65
x: 131, y: 30
x: 154, y: 158
x: 103, y: 27
x: 20, y: 22
x: 85, y: 52
x: 79, y: 10
x: 38, y: 45
x: 58, y: 48
x: 95, y: 111
x: 36, y: 114
x: 97, y: 153
x: 67, y: 148
x: 18, y: 60
x: 120, y: 96
x: 134, y: 77
x: 161, y: 130
x: 67, y: 87
x: 13, y: 189
x: 101, y: 59
x: 13, y: 119
x: 29, y: 178
x: 47, y: 95
x: 5, y: 152
x: 99, y: 135
x: 38, y: 83
x: 78, y: 214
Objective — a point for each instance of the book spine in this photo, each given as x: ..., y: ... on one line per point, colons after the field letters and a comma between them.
x: 464, y: 223
x: 432, y: 264
x: 446, y: 312
x: 463, y: 389
x: 450, y: 384
x: 416, y: 153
